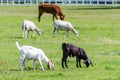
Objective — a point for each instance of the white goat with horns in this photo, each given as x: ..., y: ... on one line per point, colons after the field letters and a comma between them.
x: 29, y: 26
x: 64, y: 25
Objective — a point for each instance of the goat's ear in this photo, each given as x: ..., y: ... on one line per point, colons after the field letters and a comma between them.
x: 91, y: 63
x: 64, y: 45
x: 52, y: 61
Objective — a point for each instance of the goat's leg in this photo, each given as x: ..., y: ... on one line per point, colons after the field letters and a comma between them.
x: 78, y: 61
x: 66, y: 64
x: 25, y: 67
x: 58, y: 32
x: 33, y: 33
x: 54, y: 31
x: 23, y: 34
x: 64, y: 60
x: 34, y: 64
x: 65, y: 33
x: 21, y: 63
x: 41, y: 64
x: 26, y: 34
x: 63, y: 63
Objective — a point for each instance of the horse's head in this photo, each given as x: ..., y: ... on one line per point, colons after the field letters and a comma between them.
x: 62, y: 17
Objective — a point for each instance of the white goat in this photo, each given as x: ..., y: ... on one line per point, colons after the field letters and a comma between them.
x: 29, y: 26
x: 29, y: 52
x: 64, y: 25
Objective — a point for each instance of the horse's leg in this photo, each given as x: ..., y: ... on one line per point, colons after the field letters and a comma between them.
x: 55, y: 17
x: 39, y: 15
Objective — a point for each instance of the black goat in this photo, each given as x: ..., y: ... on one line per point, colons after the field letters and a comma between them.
x: 71, y: 51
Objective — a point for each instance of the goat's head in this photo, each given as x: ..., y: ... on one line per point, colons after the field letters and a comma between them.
x: 50, y: 64
x: 38, y: 31
x: 76, y: 33
x: 65, y: 47
x: 87, y: 63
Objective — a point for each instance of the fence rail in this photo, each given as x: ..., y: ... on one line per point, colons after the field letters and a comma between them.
x: 61, y: 2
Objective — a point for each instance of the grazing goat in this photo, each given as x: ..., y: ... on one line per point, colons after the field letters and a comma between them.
x: 29, y: 26
x: 29, y: 52
x: 71, y: 51
x: 64, y: 25
x: 52, y: 9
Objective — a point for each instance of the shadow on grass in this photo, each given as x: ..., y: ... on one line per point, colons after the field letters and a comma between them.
x: 24, y: 38
x: 94, y: 8
x: 16, y: 37
x: 15, y: 70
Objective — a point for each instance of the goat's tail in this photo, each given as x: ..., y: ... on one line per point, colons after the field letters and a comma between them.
x: 17, y: 45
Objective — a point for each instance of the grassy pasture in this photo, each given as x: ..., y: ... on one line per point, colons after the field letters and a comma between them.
x: 98, y: 27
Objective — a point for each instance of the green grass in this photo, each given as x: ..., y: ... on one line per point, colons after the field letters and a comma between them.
x: 98, y: 27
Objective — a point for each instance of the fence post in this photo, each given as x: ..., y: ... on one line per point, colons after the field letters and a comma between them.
x: 62, y: 2
x: 83, y: 2
x: 1, y: 2
x: 36, y: 2
x: 113, y: 3
x: 7, y: 2
x: 13, y: 2
x: 24, y: 2
x: 97, y: 2
x: 76, y: 1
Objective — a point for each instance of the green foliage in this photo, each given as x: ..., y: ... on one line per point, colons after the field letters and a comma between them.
x: 98, y: 29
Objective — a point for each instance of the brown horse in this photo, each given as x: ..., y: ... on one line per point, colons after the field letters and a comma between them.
x: 51, y: 9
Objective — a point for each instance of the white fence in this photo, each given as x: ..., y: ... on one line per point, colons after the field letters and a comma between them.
x: 61, y: 2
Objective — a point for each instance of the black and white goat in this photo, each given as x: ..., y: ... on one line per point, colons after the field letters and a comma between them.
x: 29, y: 26
x: 71, y: 51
